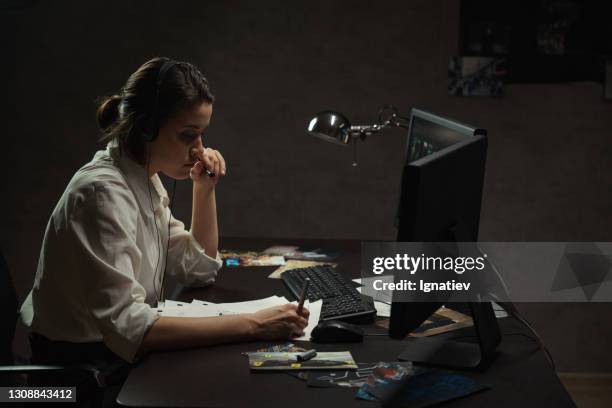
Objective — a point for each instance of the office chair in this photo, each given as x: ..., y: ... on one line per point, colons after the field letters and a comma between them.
x: 20, y: 375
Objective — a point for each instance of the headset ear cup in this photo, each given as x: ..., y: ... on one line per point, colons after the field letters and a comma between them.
x: 149, y: 130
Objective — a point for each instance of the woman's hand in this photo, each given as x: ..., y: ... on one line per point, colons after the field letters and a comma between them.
x: 279, y: 322
x: 207, y: 159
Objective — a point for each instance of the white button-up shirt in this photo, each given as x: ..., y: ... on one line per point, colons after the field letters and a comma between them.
x: 105, y: 240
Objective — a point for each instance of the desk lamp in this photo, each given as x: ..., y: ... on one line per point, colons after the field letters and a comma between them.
x: 334, y: 127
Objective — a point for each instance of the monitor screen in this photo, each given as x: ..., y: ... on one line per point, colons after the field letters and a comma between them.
x: 430, y: 133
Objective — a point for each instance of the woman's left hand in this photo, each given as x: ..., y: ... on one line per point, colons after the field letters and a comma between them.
x: 207, y: 159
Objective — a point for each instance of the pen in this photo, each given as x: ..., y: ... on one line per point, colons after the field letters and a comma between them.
x: 303, y: 296
x: 307, y: 355
x: 210, y: 173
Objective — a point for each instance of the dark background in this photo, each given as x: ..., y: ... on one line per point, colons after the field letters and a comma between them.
x: 272, y: 65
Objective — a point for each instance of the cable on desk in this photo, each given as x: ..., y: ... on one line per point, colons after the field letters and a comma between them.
x: 513, y: 312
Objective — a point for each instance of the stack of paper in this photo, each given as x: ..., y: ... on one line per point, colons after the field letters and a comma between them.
x: 201, y: 308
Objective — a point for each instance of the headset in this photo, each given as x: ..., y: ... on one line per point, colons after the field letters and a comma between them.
x: 150, y: 129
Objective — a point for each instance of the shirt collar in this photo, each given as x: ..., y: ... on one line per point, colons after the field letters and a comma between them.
x: 147, y: 190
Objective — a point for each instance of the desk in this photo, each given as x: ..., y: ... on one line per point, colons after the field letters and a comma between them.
x: 219, y: 376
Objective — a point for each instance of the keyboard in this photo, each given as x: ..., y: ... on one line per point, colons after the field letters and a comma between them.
x: 341, y: 301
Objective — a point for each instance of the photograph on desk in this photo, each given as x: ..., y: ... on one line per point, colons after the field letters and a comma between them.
x: 250, y: 258
x: 337, y: 360
x: 288, y: 256
x: 397, y: 384
x: 301, y: 253
x: 421, y: 183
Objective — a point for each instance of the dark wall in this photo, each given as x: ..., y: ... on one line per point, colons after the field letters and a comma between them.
x: 272, y: 65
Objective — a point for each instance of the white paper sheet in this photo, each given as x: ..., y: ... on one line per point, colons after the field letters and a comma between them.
x: 201, y: 308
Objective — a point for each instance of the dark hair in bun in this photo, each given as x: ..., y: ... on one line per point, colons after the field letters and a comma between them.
x: 108, y: 111
x: 124, y: 115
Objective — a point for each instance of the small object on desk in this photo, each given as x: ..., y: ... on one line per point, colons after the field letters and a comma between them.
x: 337, y: 360
x: 284, y: 250
x: 266, y: 260
x: 335, y: 331
x: 314, y: 253
x: 342, y: 379
x: 232, y: 262
x: 306, y: 355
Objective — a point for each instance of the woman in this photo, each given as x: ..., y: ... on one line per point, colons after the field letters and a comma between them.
x: 111, y: 236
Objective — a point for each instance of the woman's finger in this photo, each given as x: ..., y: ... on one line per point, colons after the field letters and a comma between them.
x: 305, y: 313
x: 297, y: 334
x: 294, y: 318
x: 217, y: 162
x: 196, y: 171
x: 209, y: 160
x: 222, y: 165
x: 296, y: 330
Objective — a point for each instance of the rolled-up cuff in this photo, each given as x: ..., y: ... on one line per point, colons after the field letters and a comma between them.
x: 216, y: 260
x: 138, y: 320
x: 200, y: 268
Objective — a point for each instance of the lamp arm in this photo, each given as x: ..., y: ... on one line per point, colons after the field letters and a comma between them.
x: 363, y: 131
x: 394, y: 120
x: 399, y: 121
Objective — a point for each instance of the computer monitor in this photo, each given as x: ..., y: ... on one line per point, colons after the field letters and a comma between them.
x: 440, y: 200
x: 441, y: 188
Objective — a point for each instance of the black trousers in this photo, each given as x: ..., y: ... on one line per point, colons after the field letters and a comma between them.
x: 95, y: 371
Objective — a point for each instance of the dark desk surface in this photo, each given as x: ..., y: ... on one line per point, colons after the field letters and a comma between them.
x: 219, y: 376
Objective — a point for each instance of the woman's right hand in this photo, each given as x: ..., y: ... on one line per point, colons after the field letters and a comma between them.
x: 279, y: 322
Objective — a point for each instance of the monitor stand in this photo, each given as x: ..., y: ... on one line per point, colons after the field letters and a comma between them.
x: 456, y: 354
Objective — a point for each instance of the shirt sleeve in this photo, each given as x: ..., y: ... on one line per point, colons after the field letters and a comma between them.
x: 103, y: 228
x: 187, y: 260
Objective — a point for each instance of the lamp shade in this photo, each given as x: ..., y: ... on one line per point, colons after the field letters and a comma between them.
x: 330, y: 126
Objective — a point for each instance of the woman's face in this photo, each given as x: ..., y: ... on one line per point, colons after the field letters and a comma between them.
x: 179, y: 143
